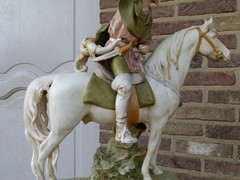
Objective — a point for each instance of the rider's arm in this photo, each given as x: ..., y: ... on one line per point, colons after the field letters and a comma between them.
x: 147, y: 46
x: 102, y: 50
x: 99, y: 50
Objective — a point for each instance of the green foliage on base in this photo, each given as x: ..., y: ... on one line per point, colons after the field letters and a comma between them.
x: 123, y: 161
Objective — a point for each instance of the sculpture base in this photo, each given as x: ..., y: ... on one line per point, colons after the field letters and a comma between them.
x: 164, y: 176
x: 123, y: 161
x: 76, y: 179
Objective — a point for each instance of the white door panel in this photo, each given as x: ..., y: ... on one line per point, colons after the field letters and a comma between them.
x: 87, y: 23
x: 38, y: 32
x: 37, y: 38
x: 15, y: 152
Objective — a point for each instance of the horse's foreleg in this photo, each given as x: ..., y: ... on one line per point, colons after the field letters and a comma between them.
x: 156, y: 170
x: 152, y: 145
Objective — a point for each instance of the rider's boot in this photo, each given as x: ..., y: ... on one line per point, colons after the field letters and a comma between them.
x: 123, y: 85
x: 123, y: 134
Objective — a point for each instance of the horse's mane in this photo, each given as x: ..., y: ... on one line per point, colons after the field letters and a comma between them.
x: 166, y: 54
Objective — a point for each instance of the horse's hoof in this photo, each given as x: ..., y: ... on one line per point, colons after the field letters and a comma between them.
x: 147, y: 178
x: 157, y: 171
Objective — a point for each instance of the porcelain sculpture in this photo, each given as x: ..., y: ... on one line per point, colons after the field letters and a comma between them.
x: 165, y: 71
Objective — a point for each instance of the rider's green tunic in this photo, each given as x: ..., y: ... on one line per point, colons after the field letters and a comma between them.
x: 130, y: 25
x: 131, y: 15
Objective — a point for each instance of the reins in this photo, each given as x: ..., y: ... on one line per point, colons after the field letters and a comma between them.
x: 202, y: 35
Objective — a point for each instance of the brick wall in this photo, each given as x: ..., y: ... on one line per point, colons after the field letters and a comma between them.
x: 203, y: 139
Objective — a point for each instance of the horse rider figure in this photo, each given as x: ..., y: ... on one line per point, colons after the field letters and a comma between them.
x: 132, y: 25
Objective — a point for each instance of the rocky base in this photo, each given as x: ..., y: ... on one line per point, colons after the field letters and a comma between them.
x: 164, y: 176
x: 76, y: 179
x: 123, y: 161
x: 120, y: 161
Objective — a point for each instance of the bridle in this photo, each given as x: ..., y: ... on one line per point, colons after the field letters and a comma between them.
x: 202, y: 35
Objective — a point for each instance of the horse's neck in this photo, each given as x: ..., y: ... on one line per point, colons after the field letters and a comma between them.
x: 176, y: 72
x: 178, y: 75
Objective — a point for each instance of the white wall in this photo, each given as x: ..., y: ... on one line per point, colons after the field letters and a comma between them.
x: 36, y: 38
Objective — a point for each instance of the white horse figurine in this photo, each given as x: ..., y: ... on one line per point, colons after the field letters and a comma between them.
x: 165, y: 71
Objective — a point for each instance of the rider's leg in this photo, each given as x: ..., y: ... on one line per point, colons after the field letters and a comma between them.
x: 123, y: 85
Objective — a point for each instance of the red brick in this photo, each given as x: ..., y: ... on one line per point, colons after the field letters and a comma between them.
x: 206, y: 113
x: 163, y: 11
x: 227, y: 23
x: 105, y: 17
x: 105, y: 127
x: 198, y: 148
x: 191, y: 95
x: 210, y: 79
x: 183, y: 129
x: 164, y: 146
x: 232, y: 63
x: 224, y: 97
x: 104, y: 137
x: 104, y: 4
x: 108, y: 4
x: 196, y: 61
x: 207, y: 7
x: 157, y: 12
x: 239, y: 116
x: 191, y: 177
x: 104, y: 149
x: 223, y: 132
x: 222, y: 167
x: 143, y: 141
x: 179, y: 162
x: 230, y: 40
x: 238, y: 151
x: 164, y: 28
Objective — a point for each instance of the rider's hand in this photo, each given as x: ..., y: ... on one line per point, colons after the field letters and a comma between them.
x: 144, y: 49
x: 115, y: 42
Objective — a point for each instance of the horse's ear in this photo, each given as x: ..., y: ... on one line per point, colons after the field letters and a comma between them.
x: 207, y: 24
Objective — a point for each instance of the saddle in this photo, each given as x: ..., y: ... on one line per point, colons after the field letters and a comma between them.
x: 100, y: 93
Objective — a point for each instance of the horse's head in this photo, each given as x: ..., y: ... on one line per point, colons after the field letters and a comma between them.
x: 209, y: 45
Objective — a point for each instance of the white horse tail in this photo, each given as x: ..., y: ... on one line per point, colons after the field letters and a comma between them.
x: 36, y: 119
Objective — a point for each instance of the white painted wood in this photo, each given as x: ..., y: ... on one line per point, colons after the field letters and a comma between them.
x: 87, y: 15
x: 34, y: 31
x: 15, y: 152
x: 37, y: 38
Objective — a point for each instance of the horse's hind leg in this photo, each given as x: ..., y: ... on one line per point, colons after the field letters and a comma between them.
x: 47, y: 147
x: 50, y: 170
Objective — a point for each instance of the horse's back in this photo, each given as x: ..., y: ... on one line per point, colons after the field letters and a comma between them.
x: 72, y: 79
x: 69, y: 86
